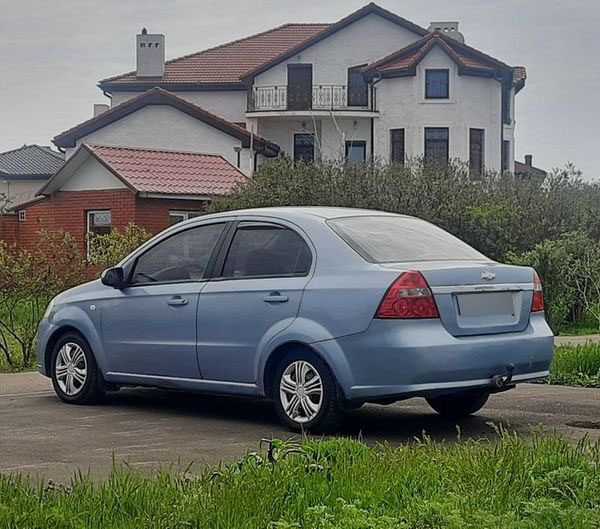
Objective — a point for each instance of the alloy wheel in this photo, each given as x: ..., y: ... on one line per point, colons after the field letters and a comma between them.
x: 301, y: 391
x: 71, y: 368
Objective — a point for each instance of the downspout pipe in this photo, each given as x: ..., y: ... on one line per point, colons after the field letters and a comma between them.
x: 373, y: 106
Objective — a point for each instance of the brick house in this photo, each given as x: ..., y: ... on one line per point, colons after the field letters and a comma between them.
x: 101, y: 188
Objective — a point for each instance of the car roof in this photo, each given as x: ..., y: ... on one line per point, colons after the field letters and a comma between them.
x: 324, y: 212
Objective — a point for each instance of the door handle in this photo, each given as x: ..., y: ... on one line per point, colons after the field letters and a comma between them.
x: 177, y: 301
x: 275, y: 297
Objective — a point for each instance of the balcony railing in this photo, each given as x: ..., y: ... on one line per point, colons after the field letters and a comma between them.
x: 319, y: 97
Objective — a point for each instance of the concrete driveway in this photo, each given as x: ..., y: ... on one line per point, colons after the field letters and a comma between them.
x: 41, y: 436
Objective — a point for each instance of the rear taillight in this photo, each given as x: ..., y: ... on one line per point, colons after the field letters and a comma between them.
x: 409, y: 297
x: 537, y: 304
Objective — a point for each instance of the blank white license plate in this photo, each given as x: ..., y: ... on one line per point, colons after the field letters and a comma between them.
x: 486, y: 304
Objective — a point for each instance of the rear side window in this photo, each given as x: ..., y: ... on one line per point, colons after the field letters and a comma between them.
x: 383, y: 239
x: 260, y: 249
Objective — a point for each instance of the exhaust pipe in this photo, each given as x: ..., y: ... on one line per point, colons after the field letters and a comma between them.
x: 503, y: 382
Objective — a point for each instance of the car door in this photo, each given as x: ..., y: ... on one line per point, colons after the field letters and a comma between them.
x: 255, y: 294
x: 149, y: 327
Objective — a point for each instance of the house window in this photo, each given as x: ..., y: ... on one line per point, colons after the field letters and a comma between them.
x: 437, y: 84
x: 98, y: 223
x: 505, y: 155
x: 357, y: 88
x: 476, y: 142
x: 397, y: 150
x: 23, y: 215
x: 356, y: 151
x: 304, y: 148
x: 436, y: 145
x: 179, y: 216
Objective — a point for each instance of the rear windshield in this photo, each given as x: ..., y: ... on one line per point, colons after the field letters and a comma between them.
x: 383, y: 239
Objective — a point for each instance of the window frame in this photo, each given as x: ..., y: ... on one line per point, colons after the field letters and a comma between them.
x: 297, y: 160
x: 437, y: 70
x: 447, y: 160
x: 355, y: 143
x: 362, y: 101
x: 88, y: 213
x: 227, y: 243
x: 183, y: 213
x: 129, y: 266
x: 477, y: 171
x: 392, y: 143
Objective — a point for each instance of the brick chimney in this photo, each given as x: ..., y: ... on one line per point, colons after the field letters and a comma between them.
x: 150, y: 54
x: 529, y: 160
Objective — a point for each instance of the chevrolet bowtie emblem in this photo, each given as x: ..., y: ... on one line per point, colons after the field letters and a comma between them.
x: 488, y: 276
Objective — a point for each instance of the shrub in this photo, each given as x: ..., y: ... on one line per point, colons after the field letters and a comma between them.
x: 28, y: 280
x: 107, y: 250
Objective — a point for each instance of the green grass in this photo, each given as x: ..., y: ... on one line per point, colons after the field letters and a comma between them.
x: 576, y: 365
x: 337, y: 484
x: 577, y: 329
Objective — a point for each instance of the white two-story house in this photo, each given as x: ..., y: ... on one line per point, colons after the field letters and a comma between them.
x: 371, y: 86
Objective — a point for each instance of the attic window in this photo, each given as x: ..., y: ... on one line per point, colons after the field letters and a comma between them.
x: 149, y: 44
x: 142, y: 44
x: 436, y: 84
x: 22, y: 215
x: 156, y: 44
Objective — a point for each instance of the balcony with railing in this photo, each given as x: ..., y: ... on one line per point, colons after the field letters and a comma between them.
x: 300, y: 98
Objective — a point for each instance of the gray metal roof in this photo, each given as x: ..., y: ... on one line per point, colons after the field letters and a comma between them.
x: 30, y: 161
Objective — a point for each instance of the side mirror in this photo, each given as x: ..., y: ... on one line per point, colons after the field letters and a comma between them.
x: 113, y: 277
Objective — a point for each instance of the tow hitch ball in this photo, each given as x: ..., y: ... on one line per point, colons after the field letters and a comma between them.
x: 503, y: 381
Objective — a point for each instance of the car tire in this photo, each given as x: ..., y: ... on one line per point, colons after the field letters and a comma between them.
x: 315, y: 400
x: 74, y: 371
x: 459, y: 405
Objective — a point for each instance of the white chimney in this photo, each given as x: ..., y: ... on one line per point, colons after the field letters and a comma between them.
x: 150, y: 54
x: 450, y: 29
x: 99, y: 108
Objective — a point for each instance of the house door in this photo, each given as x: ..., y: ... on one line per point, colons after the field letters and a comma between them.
x: 299, y: 88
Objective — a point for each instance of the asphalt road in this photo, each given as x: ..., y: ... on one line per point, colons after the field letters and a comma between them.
x: 42, y: 437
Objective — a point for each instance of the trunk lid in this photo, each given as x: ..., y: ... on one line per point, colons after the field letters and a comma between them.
x: 480, y: 297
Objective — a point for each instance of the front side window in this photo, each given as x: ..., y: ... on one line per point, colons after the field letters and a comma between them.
x: 179, y: 216
x: 476, y: 137
x: 182, y: 257
x: 390, y: 239
x: 264, y: 250
x: 437, y: 84
x: 356, y: 151
x: 436, y: 145
x: 304, y: 148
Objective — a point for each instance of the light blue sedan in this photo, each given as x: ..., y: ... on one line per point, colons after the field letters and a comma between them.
x: 319, y: 309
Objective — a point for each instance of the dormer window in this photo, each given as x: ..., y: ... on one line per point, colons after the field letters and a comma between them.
x: 437, y: 84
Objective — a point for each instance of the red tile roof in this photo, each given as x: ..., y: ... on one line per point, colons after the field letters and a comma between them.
x: 225, y: 63
x: 169, y: 172
x: 468, y: 59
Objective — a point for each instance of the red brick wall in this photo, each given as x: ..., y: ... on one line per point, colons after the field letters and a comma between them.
x: 67, y: 210
x: 153, y: 213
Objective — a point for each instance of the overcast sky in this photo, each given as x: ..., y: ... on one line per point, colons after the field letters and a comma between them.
x: 52, y: 54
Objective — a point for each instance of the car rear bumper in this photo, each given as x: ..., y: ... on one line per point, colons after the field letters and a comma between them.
x: 420, y: 358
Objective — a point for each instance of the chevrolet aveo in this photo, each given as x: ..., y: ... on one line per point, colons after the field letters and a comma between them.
x: 318, y: 309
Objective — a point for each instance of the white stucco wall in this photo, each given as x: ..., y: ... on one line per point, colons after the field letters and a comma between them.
x: 227, y: 104
x: 164, y: 127
x: 331, y: 134
x: 475, y: 102
x: 366, y: 40
x: 19, y: 191
x: 92, y: 175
